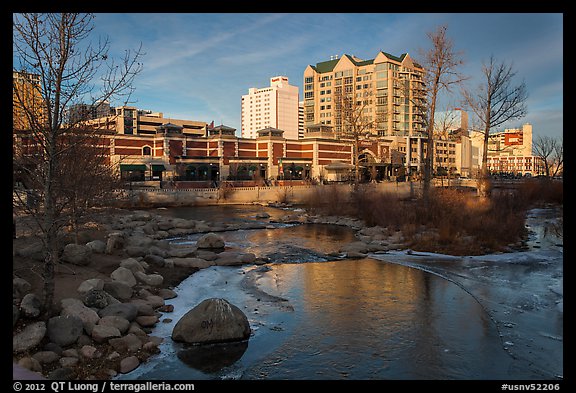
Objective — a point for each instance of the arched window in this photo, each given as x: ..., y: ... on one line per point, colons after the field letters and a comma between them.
x: 146, y: 151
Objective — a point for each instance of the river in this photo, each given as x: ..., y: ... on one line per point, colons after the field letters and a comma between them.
x: 394, y: 315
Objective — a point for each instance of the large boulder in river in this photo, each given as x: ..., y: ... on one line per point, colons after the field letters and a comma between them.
x: 210, y: 241
x: 213, y: 320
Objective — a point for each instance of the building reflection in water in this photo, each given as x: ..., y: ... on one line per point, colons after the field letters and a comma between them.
x: 398, y: 320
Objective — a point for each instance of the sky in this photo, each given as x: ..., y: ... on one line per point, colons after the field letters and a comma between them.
x: 198, y: 66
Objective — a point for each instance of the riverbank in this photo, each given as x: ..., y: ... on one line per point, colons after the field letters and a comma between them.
x: 122, y: 257
x: 146, y: 240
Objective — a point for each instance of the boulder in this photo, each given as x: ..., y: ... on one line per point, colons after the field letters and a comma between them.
x: 128, y: 343
x: 147, y: 320
x: 34, y: 251
x: 64, y: 330
x: 46, y: 357
x: 154, y: 280
x: 72, y: 352
x: 155, y: 301
x: 89, y: 352
x: 139, y: 240
x: 210, y: 241
x: 181, y: 252
x: 191, y: 262
x: 206, y: 254
x: 140, y: 215
x: 234, y: 258
x: 120, y: 323
x: 31, y: 364
x: 77, y: 254
x: 144, y: 308
x: 20, y: 287
x: 29, y: 337
x: 97, y: 246
x: 68, y: 361
x: 132, y: 264
x: 165, y: 225
x: 355, y: 247
x: 154, y: 259
x: 124, y: 275
x: 115, y: 241
x: 92, y: 283
x: 30, y: 306
x: 201, y: 226
x: 124, y: 310
x: 136, y: 251
x: 150, y: 228
x: 51, y: 346
x: 75, y: 307
x: 119, y: 290
x: 129, y: 364
x: 98, y: 298
x: 213, y: 320
x: 167, y: 293
x: 102, y: 333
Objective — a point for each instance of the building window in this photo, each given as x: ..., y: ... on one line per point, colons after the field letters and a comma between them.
x: 309, y: 79
x: 146, y: 151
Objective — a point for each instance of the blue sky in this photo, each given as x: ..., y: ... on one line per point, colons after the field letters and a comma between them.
x: 198, y: 66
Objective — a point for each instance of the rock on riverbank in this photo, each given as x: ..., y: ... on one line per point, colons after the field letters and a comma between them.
x: 101, y: 326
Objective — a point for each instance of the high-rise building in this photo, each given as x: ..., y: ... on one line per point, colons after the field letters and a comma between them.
x: 275, y: 106
x: 388, y: 89
x: 84, y: 112
x: 27, y: 101
x: 386, y: 94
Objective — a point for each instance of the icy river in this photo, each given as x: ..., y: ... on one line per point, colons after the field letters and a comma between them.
x: 396, y: 315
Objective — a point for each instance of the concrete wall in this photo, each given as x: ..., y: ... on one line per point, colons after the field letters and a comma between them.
x: 246, y: 195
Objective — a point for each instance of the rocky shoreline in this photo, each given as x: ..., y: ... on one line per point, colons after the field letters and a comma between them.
x: 104, y: 329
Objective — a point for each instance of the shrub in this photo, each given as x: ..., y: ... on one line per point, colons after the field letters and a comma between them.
x: 448, y: 220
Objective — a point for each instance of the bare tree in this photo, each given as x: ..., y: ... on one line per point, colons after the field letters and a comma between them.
x: 441, y: 62
x: 496, y: 101
x: 445, y: 122
x: 57, y: 53
x: 551, y: 153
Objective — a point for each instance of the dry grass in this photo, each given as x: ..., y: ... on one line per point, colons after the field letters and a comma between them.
x: 448, y: 221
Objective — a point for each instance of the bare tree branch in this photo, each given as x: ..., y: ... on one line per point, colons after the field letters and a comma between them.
x: 61, y: 162
x: 441, y: 62
x: 496, y: 101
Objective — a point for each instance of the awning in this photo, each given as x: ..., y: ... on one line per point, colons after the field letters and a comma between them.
x: 158, y: 167
x: 132, y: 167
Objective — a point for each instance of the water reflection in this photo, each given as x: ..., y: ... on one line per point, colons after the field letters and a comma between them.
x: 211, y: 358
x: 366, y: 319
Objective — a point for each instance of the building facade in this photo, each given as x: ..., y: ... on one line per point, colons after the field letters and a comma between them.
x: 275, y: 106
x: 387, y: 94
x: 221, y: 156
x: 300, y: 119
x: 27, y: 101
x: 509, y: 152
x: 129, y: 120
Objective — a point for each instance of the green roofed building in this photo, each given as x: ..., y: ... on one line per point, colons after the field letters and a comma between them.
x: 385, y: 97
